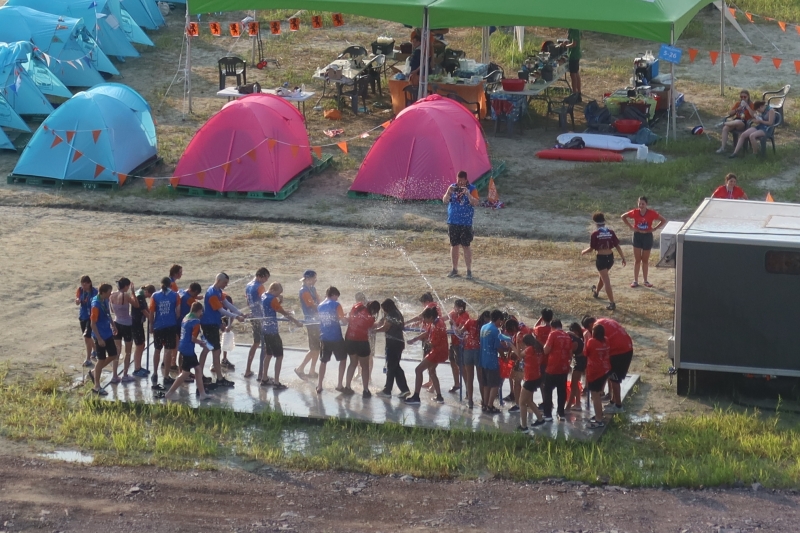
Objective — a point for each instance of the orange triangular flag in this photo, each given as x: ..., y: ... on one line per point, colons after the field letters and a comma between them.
x: 342, y: 146
x: 252, y: 154
x: 295, y: 149
x: 149, y: 182
x: 98, y: 169
x: 56, y: 141
x: 174, y: 182
x: 317, y: 151
x: 769, y: 197
x: 386, y: 124
x: 226, y: 167
x: 749, y: 16
x: 201, y: 176
x: 70, y: 135
x: 733, y: 11
x: 757, y: 59
x: 95, y: 135
x: 122, y: 178
x: 782, y: 25
x: 692, y: 54
x: 714, y: 55
x: 271, y: 143
x: 798, y: 29
x: 735, y: 58
x: 77, y: 155
x: 492, y: 196
x: 796, y: 66
x: 777, y: 62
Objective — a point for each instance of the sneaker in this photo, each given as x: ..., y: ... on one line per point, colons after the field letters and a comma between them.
x: 412, y: 400
x: 720, y: 150
x: 453, y: 274
x: 404, y: 394
x: 439, y: 399
x: 115, y: 380
x: 509, y: 398
x: 160, y: 395
x: 562, y: 418
x: 469, y: 274
x: 596, y: 425
x: 539, y: 422
x: 225, y: 382
x: 339, y: 389
x: 279, y: 386
x: 168, y: 380
x: 226, y: 364
x: 383, y: 394
x: 157, y: 386
x: 522, y: 429
x: 128, y: 379
x: 611, y: 307
x: 141, y: 373
x: 88, y: 363
x: 366, y: 394
x: 100, y: 392
x: 207, y: 380
x: 619, y: 409
x: 514, y: 409
x: 547, y: 418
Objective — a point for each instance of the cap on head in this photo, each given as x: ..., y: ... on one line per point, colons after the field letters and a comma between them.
x: 308, y: 274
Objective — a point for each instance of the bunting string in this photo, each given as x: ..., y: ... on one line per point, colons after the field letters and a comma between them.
x: 714, y: 56
x: 750, y: 17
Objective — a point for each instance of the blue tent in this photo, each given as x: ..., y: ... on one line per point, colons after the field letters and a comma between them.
x: 66, y: 45
x: 108, y: 23
x: 96, y: 135
x: 32, y: 61
x: 5, y: 143
x: 16, y: 87
x: 145, y: 13
x: 10, y: 118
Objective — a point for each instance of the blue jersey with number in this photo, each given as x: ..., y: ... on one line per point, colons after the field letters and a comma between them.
x: 329, y: 327
x: 103, y: 317
x: 164, y: 311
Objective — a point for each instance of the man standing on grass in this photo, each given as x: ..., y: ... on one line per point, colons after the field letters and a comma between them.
x: 215, y: 307
x: 461, y: 198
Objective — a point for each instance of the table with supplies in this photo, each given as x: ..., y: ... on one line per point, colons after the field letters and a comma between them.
x: 297, y: 98
x: 470, y: 93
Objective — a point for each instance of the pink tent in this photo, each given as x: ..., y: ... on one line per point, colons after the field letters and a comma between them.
x: 256, y: 143
x: 421, y: 152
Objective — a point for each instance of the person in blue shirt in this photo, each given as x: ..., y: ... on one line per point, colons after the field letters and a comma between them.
x: 83, y: 298
x: 490, y: 365
x: 461, y: 198
x: 253, y: 292
x: 165, y: 307
x: 331, y: 319
x: 215, y: 306
x: 272, y: 346
x: 103, y: 331
x: 191, y: 334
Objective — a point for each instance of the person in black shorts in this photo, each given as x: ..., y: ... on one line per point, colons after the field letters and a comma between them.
x: 604, y: 241
x: 270, y: 336
x: 83, y: 298
x: 643, y: 222
x: 190, y: 335
x: 574, y: 401
x: 138, y: 316
x: 103, y: 331
x: 461, y: 198
x: 575, y: 53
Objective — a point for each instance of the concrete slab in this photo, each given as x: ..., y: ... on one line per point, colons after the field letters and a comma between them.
x: 301, y: 400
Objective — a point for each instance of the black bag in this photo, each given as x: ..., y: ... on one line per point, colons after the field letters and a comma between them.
x: 634, y: 113
x: 596, y: 116
x: 576, y: 143
x: 249, y: 88
x: 547, y: 73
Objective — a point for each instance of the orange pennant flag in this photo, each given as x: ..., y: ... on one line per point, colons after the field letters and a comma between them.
x: 757, y: 59
x: 275, y: 27
x: 692, y: 54
x: 342, y: 146
x: 216, y: 29
x: 193, y: 30
x: 122, y: 178
x: 769, y: 197
x: 174, y: 182
x: 798, y: 29
x: 733, y: 11
x: 70, y: 135
x: 714, y: 55
x: 338, y: 20
x: 749, y: 16
x: 235, y: 29
x: 77, y: 155
x: 201, y: 176
x: 294, y: 24
x: 253, y: 29
x: 735, y: 58
x: 58, y: 140
x: 252, y: 154
x: 149, y: 182
x: 782, y: 25
x: 95, y: 135
x: 271, y: 143
x: 316, y: 22
x: 295, y: 149
x: 796, y: 66
x: 317, y: 151
x: 226, y: 167
x: 98, y: 169
x: 777, y: 62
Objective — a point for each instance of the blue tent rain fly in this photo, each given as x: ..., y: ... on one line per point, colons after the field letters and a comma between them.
x: 10, y: 118
x: 97, y: 135
x: 16, y: 87
x: 34, y: 64
x: 69, y: 50
x: 145, y: 13
x: 5, y: 143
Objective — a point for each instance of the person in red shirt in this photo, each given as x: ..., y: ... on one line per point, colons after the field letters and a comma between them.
x: 604, y: 241
x: 541, y: 330
x: 458, y: 317
x: 435, y: 335
x: 643, y: 222
x: 576, y: 332
x: 597, y: 368
x: 620, y: 352
x: 359, y: 321
x: 741, y: 113
x: 516, y: 331
x: 532, y: 381
x: 427, y: 301
x: 472, y: 354
x: 730, y: 190
x: 558, y: 350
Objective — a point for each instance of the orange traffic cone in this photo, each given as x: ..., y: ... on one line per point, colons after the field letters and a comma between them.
x: 492, y: 198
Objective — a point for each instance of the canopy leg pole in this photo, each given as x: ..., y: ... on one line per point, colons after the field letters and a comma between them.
x: 187, y: 75
x: 485, y: 45
x: 424, y: 55
x: 673, y: 93
x: 722, y: 11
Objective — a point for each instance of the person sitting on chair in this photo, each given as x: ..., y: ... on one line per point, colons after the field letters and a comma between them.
x: 763, y: 118
x: 740, y: 113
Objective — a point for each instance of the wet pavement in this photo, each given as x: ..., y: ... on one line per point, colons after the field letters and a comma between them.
x: 301, y: 400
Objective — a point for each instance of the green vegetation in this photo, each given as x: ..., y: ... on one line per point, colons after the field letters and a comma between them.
x: 785, y: 10
x: 722, y: 447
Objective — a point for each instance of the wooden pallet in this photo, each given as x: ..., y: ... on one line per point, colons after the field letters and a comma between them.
x: 498, y: 167
x: 317, y: 166
x: 93, y: 184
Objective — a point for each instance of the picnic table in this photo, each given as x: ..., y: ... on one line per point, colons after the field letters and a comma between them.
x: 296, y: 98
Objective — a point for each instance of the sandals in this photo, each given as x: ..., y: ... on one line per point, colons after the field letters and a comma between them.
x: 648, y: 284
x: 100, y: 392
x: 634, y: 285
x: 249, y: 374
x: 594, y: 291
x: 596, y: 425
x: 454, y: 389
x: 279, y: 386
x: 492, y: 410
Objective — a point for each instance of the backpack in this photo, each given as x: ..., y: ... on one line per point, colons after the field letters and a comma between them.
x: 634, y: 113
x: 576, y: 143
x: 596, y: 116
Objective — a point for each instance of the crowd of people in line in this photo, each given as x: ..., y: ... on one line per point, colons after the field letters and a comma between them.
x: 488, y: 349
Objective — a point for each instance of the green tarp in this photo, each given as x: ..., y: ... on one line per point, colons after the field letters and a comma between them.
x: 651, y: 20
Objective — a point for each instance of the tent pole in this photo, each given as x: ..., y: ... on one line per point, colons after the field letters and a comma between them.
x: 423, y: 56
x: 485, y: 45
x: 187, y: 73
x: 722, y: 11
x: 673, y: 93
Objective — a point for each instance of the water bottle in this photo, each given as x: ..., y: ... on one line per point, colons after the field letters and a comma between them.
x: 303, y: 89
x: 384, y: 367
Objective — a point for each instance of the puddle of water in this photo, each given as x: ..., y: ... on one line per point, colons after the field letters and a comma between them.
x: 69, y: 457
x: 294, y: 441
x: 644, y: 419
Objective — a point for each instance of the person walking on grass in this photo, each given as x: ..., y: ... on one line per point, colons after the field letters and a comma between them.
x: 392, y: 324
x: 597, y: 369
x: 490, y: 363
x: 558, y: 350
x: 253, y: 292
x: 191, y: 334
x: 435, y: 334
x: 461, y: 198
x: 215, y: 306
x: 620, y: 355
x: 359, y: 323
x: 604, y: 241
x: 331, y: 319
x: 139, y: 314
x: 272, y: 343
x: 121, y: 302
x: 532, y: 381
x: 643, y: 222
x: 83, y: 298
x: 103, y: 331
x: 165, y: 307
x: 308, y: 303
